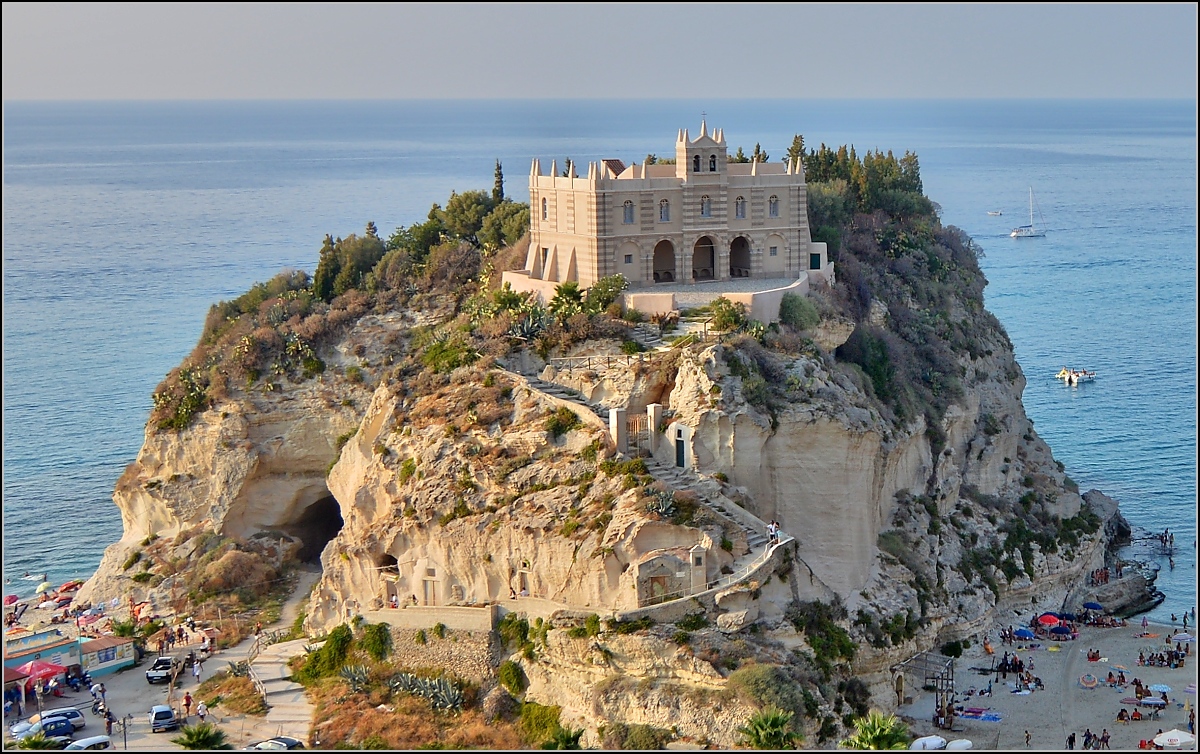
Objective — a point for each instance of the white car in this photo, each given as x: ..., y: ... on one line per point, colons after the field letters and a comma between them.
x: 95, y: 743
x: 71, y: 713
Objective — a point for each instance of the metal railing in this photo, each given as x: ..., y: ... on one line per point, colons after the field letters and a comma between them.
x: 599, y: 362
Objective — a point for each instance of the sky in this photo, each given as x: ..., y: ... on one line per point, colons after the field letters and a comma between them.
x: 154, y: 51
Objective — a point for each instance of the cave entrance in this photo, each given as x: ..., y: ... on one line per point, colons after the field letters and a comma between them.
x: 317, y: 524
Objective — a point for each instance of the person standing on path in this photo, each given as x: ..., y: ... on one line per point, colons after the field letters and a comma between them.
x: 1104, y: 739
x: 1071, y: 741
x: 196, y: 669
x: 187, y: 705
x: 1026, y: 738
x: 201, y: 710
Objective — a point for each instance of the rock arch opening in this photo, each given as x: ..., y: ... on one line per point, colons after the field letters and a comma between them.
x: 316, y: 525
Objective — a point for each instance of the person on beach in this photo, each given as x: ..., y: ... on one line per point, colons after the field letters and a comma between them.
x: 1104, y: 739
x: 1087, y: 738
x: 1027, y: 737
x: 1071, y: 740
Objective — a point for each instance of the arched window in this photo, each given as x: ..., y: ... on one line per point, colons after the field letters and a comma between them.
x: 628, y: 212
x: 705, y: 206
x: 773, y: 206
x: 696, y: 164
x: 664, y: 211
x: 712, y: 163
x: 545, y: 209
x: 739, y: 208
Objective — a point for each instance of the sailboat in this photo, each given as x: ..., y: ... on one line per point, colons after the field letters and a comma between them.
x: 1030, y: 230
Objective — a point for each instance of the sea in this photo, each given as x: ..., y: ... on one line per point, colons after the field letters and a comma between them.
x: 125, y: 221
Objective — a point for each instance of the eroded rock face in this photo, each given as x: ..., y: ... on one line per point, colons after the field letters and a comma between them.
x: 254, y: 463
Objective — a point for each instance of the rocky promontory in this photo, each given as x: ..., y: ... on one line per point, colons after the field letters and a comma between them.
x: 418, y: 439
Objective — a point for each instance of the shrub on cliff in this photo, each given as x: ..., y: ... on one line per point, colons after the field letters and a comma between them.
x: 237, y: 569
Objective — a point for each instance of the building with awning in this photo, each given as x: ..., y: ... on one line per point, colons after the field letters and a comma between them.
x: 107, y: 654
x: 50, y: 645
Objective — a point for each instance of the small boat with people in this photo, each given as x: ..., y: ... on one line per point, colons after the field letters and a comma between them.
x: 995, y: 213
x: 1074, y: 376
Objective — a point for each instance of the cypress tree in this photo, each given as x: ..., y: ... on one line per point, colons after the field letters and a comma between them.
x: 498, y: 186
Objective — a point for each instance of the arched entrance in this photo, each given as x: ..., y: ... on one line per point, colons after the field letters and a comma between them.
x: 739, y: 258
x: 664, y: 262
x: 315, y: 527
x: 704, y: 260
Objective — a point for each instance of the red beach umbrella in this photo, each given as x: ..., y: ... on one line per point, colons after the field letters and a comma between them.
x: 10, y: 599
x: 1049, y: 620
x: 40, y: 669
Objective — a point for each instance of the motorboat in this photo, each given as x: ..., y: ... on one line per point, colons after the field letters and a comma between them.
x: 1074, y: 376
x: 995, y: 213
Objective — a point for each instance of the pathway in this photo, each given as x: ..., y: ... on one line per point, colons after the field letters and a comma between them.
x: 290, y: 712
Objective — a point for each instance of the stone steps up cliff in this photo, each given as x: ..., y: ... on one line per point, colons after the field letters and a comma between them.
x: 566, y: 393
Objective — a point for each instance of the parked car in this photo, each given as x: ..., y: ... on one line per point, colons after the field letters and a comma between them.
x: 51, y: 727
x: 71, y: 713
x: 162, y: 670
x: 162, y: 717
x: 278, y: 743
x: 95, y: 743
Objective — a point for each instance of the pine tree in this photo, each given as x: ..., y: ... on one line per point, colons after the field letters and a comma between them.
x: 739, y: 157
x: 759, y: 156
x: 796, y: 150
x: 498, y: 186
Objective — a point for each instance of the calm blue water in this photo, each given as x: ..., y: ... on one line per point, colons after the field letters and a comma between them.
x: 124, y: 222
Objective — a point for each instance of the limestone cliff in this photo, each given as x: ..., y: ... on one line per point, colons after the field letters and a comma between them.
x: 427, y: 465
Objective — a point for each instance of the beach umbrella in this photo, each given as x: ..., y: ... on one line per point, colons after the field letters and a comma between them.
x: 10, y: 599
x: 1161, y: 688
x: 926, y: 743
x: 40, y: 669
x: 42, y: 587
x: 1174, y: 737
x: 1069, y: 616
x: 1130, y: 700
x: 1023, y: 633
x: 1088, y: 681
x: 1049, y: 620
x: 1151, y: 702
x: 1119, y: 667
x: 1183, y: 637
x: 1092, y: 606
x: 1061, y: 631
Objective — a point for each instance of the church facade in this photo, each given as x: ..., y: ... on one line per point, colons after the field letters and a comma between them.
x: 701, y: 219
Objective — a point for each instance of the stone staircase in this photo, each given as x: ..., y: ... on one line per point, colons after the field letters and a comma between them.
x: 681, y: 479
x: 648, y: 335
x: 290, y: 711
x: 567, y: 394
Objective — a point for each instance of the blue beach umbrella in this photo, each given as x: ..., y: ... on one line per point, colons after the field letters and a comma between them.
x: 1061, y: 630
x: 1023, y: 633
x: 1069, y: 616
x: 1161, y: 688
x: 1092, y: 606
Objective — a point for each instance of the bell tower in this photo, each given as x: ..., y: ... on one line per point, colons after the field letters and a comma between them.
x: 701, y: 160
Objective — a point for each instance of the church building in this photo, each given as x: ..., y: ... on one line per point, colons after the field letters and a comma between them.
x: 701, y: 219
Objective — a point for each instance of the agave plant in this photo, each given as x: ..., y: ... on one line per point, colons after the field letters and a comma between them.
x: 239, y: 669
x: 662, y: 502
x: 446, y: 696
x: 358, y: 677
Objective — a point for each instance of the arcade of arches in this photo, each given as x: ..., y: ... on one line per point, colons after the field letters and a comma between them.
x: 704, y: 261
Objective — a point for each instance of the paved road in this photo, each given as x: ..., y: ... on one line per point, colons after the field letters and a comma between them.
x: 130, y: 696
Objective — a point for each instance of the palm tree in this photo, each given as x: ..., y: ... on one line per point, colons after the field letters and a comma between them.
x: 770, y: 729
x: 201, y: 737
x: 38, y: 740
x: 878, y: 731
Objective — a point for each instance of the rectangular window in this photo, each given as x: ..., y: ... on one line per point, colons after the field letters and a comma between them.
x: 545, y: 255
x: 774, y: 251
x: 814, y: 261
x: 628, y: 259
x: 628, y: 217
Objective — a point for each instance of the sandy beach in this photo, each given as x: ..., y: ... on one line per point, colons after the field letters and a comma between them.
x: 1065, y: 706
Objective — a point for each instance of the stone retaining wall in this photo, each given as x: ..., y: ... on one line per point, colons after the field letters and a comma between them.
x: 471, y: 655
